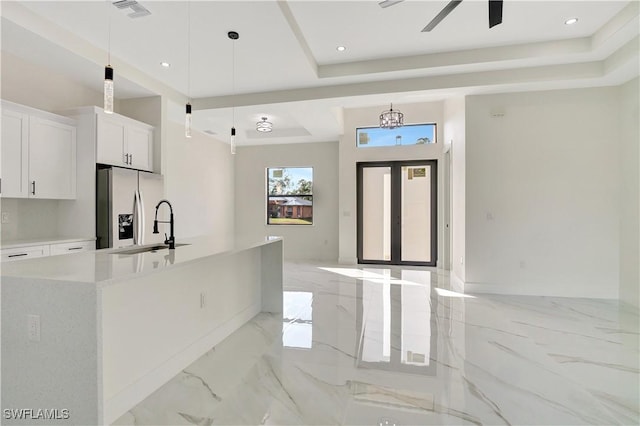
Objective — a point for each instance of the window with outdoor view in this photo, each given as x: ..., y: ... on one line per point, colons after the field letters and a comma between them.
x: 290, y: 196
x: 409, y: 134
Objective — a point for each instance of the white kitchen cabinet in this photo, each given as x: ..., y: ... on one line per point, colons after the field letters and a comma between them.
x: 20, y: 253
x: 38, y: 154
x: 14, y: 171
x: 124, y: 142
x: 52, y: 159
x: 110, y: 147
x: 30, y: 249
x: 74, y: 247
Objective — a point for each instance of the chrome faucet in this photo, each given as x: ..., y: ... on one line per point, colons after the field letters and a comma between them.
x: 171, y: 240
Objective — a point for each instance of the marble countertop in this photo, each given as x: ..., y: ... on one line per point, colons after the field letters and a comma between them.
x: 107, y: 266
x: 8, y: 244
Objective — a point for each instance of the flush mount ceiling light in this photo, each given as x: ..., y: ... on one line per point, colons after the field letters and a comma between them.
x: 391, y: 119
x: 341, y: 48
x: 165, y: 64
x: 264, y: 126
x: 571, y: 21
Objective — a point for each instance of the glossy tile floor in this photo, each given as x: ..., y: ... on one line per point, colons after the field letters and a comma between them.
x: 380, y: 346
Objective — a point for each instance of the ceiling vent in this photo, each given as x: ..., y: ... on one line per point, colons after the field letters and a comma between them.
x: 138, y: 10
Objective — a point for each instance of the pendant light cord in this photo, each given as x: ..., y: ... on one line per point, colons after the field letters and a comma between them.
x: 189, y: 50
x: 233, y: 81
x: 108, y: 33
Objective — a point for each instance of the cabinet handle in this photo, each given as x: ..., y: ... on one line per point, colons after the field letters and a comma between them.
x: 17, y: 255
x: 74, y: 248
x: 130, y: 159
x: 33, y: 190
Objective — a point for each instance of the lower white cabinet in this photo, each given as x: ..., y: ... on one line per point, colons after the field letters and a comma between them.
x: 51, y: 249
x: 21, y: 253
x: 66, y: 248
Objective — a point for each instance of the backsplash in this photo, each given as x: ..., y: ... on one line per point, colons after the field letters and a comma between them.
x: 29, y: 219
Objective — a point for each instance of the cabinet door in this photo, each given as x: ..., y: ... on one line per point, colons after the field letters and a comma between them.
x: 52, y: 159
x: 9, y: 255
x: 139, y: 143
x: 15, y: 154
x: 111, y: 142
x: 68, y: 248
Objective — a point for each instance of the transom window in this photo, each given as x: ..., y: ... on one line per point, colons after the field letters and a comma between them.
x: 410, y: 134
x: 290, y: 196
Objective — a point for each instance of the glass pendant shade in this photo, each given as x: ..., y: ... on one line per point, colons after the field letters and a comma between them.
x: 108, y: 89
x: 187, y: 121
x: 233, y: 140
x: 391, y: 119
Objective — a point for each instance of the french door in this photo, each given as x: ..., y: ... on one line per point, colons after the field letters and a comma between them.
x: 397, y: 220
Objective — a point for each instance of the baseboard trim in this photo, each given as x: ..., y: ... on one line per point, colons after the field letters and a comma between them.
x: 520, y: 290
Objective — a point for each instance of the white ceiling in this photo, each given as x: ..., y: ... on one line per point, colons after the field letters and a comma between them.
x: 287, y: 67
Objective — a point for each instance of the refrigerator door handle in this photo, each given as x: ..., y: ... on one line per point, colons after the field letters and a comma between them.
x: 136, y: 217
x: 143, y: 225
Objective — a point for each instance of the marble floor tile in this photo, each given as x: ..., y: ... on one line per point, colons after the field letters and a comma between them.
x: 374, y: 345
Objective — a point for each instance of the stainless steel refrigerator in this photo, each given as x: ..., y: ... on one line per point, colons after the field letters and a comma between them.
x: 126, y: 201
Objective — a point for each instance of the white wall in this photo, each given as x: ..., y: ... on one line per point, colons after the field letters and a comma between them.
x: 319, y: 241
x: 350, y: 155
x: 199, y: 183
x: 454, y: 137
x: 542, y: 193
x: 630, y: 193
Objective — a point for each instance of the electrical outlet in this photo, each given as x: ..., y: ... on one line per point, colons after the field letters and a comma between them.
x: 5, y: 217
x: 33, y: 327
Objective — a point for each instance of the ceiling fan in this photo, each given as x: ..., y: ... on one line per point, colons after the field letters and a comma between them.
x: 495, y: 12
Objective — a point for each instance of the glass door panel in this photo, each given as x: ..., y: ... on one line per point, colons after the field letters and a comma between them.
x: 416, y: 213
x: 376, y: 217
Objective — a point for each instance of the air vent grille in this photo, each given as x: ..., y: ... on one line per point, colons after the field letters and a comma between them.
x: 137, y: 8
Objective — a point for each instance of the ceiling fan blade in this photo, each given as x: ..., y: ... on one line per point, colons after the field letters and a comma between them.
x: 387, y: 3
x: 440, y: 16
x: 495, y: 13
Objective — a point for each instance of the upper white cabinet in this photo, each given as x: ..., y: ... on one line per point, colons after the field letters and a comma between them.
x: 121, y: 141
x: 15, y: 154
x: 52, y: 159
x: 38, y: 154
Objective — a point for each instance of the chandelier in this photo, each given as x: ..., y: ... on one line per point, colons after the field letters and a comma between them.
x: 264, y: 126
x: 391, y: 119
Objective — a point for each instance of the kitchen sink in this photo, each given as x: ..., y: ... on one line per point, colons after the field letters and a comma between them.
x: 151, y: 249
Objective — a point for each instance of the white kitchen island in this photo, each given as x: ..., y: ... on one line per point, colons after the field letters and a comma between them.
x: 114, y: 327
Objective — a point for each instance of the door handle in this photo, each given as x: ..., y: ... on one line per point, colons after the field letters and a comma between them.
x: 33, y: 189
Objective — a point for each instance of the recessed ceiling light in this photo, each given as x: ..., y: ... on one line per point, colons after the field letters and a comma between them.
x: 341, y: 48
x: 165, y: 64
x: 571, y: 21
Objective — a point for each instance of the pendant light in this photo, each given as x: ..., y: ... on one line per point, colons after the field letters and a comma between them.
x: 187, y: 120
x: 233, y: 36
x: 108, y: 70
x: 391, y: 119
